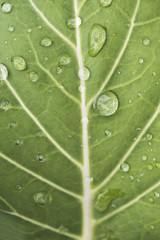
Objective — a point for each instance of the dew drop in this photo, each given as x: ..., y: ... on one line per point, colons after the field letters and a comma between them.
x: 149, y: 136
x: 85, y: 120
x: 156, y: 194
x: 124, y: 167
x: 81, y: 88
x: 4, y: 105
x: 131, y: 177
x: 3, y: 72
x: 106, y: 103
x: 40, y: 198
x: 19, y: 142
x: 11, y: 29
x: 144, y: 157
x: 97, y: 39
x: 41, y: 158
x: 157, y: 165
x: 145, y: 42
x: 29, y: 30
x: 150, y: 167
x: 19, y: 63
x: 108, y: 133
x: 150, y: 200
x: 74, y: 22
x: 33, y: 77
x: 46, y: 42
x: 138, y: 129
x: 5, y: 42
x: 39, y: 27
x: 84, y: 73
x: 13, y: 124
x: 63, y: 229
x: 58, y: 70
x: 19, y: 187
x: 105, y: 3
x: 140, y: 60
x: 6, y: 7
x: 64, y: 60
x: 154, y: 74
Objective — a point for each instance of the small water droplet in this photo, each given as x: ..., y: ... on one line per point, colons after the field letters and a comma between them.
x: 84, y: 73
x: 106, y: 103
x: 3, y: 72
x: 64, y: 60
x: 156, y: 194
x: 33, y: 77
x: 138, y: 129
x: 39, y: 27
x: 19, y: 63
x: 149, y: 136
x: 105, y: 3
x: 29, y: 30
x: 6, y: 7
x: 11, y: 29
x: 157, y: 83
x: 119, y: 72
x: 40, y: 198
x: 19, y: 187
x: 74, y: 22
x: 15, y: 39
x: 138, y: 180
x: 151, y: 200
x: 145, y: 42
x: 152, y: 227
x: 41, y: 158
x: 108, y: 133
x: 139, y: 94
x: 5, y: 42
x: 4, y: 105
x: 124, y: 167
x: 19, y: 142
x: 131, y: 177
x: 81, y: 88
x: 140, y: 60
x: 63, y: 229
x: 150, y: 167
x: 46, y: 42
x: 58, y: 70
x: 97, y: 39
x: 13, y: 124
x: 157, y: 165
x: 144, y: 157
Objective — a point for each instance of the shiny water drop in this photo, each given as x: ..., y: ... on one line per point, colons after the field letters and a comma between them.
x: 138, y: 129
x: 157, y: 165
x: 11, y: 29
x: 150, y: 167
x: 139, y: 94
x: 149, y: 136
x: 39, y: 27
x: 59, y: 70
x: 41, y: 158
x: 33, y: 77
x: 64, y: 60
x: 146, y: 42
x: 150, y: 200
x: 13, y: 124
x: 19, y: 187
x: 3, y: 72
x: 74, y: 22
x: 140, y: 60
x: 6, y: 7
x: 108, y: 133
x: 154, y: 74
x: 156, y: 194
x: 4, y: 105
x: 29, y: 30
x: 106, y: 103
x: 144, y: 157
x: 63, y: 229
x: 6, y: 42
x: 97, y: 39
x: 84, y: 73
x: 19, y: 63
x: 40, y: 198
x: 46, y: 42
x: 124, y: 167
x: 19, y: 142
x: 105, y: 3
x: 81, y: 88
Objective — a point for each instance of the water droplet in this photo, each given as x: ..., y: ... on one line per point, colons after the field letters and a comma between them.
x: 151, y: 200
x: 108, y: 133
x: 5, y: 42
x: 105, y: 3
x: 4, y: 105
x: 105, y: 199
x: 29, y: 30
x: 19, y: 187
x: 140, y: 60
x: 19, y: 142
x: 106, y: 103
x: 81, y: 88
x: 85, y: 120
x: 13, y: 124
x: 15, y: 39
x: 97, y: 39
x: 152, y: 227
x: 156, y: 194
x: 6, y: 7
x: 124, y: 167
x: 40, y: 198
x: 149, y: 136
x: 139, y: 94
x: 74, y: 22
x: 146, y: 42
x: 11, y: 29
x: 138, y: 180
x: 3, y: 72
x: 131, y: 177
x: 19, y: 63
x: 138, y: 129
x: 154, y: 74
x: 33, y: 77
x: 63, y: 229
x: 59, y: 70
x: 150, y: 167
x: 84, y: 73
x: 41, y: 158
x: 39, y: 27
x: 157, y: 83
x: 64, y: 60
x: 46, y: 42
x: 157, y: 165
x: 40, y: 133
x: 144, y: 157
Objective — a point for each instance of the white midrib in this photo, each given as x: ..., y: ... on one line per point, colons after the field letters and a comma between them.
x: 87, y: 231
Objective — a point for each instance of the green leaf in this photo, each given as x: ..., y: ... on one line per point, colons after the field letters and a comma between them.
x: 79, y: 120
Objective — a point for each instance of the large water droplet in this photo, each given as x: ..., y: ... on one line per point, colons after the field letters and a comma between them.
x: 105, y: 199
x: 150, y: 167
x: 140, y: 60
x: 157, y: 165
x: 106, y: 103
x: 40, y: 198
x: 4, y: 105
x: 11, y: 29
x: 64, y: 60
x: 144, y: 157
x: 105, y: 3
x: 59, y: 70
x: 19, y: 63
x: 46, y: 42
x: 97, y: 39
x: 3, y: 72
x: 84, y: 73
x: 6, y: 7
x: 146, y: 42
x: 124, y: 167
x: 74, y: 22
x: 33, y: 77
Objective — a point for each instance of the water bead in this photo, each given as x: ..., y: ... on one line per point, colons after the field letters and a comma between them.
x: 46, y: 42
x: 3, y: 72
x: 40, y: 198
x: 124, y: 167
x: 74, y: 22
x: 84, y: 73
x: 6, y: 7
x: 64, y: 60
x: 33, y: 77
x: 19, y: 63
x: 106, y: 103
